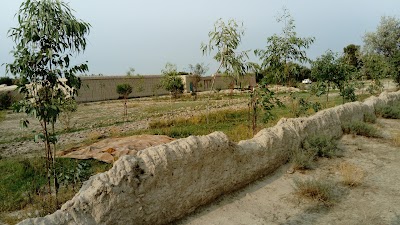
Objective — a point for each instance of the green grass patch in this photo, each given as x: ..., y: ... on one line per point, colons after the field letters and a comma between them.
x: 23, y: 180
x: 231, y: 122
x: 360, y: 128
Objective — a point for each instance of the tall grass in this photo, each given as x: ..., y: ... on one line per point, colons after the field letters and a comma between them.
x: 23, y: 181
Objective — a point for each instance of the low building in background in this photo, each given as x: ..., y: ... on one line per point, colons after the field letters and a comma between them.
x: 100, y: 88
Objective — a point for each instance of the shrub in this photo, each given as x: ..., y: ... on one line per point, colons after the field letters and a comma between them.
x: 5, y: 100
x: 351, y: 174
x: 360, y: 128
x: 6, y: 80
x: 390, y: 112
x: 369, y: 117
x: 173, y: 83
x: 321, y: 145
x: 124, y: 90
x: 303, y: 160
x: 324, y: 191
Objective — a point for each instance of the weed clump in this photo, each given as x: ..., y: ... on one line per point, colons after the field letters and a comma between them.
x: 303, y: 160
x: 323, y: 191
x: 360, y: 128
x: 369, y: 117
x: 313, y: 147
x: 389, y: 112
x: 321, y: 145
x: 352, y: 175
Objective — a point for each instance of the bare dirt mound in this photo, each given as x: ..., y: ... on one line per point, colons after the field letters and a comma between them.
x: 272, y: 200
x: 110, y: 149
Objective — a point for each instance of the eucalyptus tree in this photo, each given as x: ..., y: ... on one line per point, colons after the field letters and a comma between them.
x: 224, y: 40
x: 124, y: 90
x: 285, y: 49
x: 47, y: 37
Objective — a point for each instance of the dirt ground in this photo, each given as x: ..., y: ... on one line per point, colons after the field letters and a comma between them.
x: 99, y: 120
x: 272, y: 200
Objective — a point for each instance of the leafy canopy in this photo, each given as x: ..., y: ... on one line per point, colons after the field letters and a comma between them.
x: 386, y: 40
x: 171, y: 81
x: 225, y: 39
x: 124, y: 90
x: 330, y: 70
x: 284, y: 48
x: 386, y: 43
x: 47, y: 37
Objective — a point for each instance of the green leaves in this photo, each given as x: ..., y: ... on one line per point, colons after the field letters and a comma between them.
x: 284, y: 48
x: 124, y: 90
x: 225, y: 38
x: 46, y: 37
x: 171, y: 81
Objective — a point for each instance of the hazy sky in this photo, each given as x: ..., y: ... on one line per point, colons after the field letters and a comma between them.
x: 149, y: 33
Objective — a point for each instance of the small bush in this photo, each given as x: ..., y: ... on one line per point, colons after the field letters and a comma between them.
x: 124, y: 90
x: 369, y: 117
x: 390, y: 112
x: 360, y: 128
x: 5, y: 100
x: 321, y: 145
x: 323, y: 191
x: 6, y: 80
x: 303, y: 160
x: 351, y: 174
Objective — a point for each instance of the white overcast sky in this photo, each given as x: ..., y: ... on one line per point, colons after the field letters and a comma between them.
x: 147, y: 34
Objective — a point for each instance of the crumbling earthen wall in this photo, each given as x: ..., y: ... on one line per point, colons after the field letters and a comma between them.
x: 166, y: 182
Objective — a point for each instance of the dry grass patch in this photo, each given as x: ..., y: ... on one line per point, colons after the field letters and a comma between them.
x: 352, y: 175
x: 322, y: 191
x: 95, y: 135
x: 396, y: 140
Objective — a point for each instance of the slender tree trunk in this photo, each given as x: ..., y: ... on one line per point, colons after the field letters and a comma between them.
x: 327, y: 96
x: 55, y: 180
x: 212, y: 88
x: 48, y: 158
x: 125, y: 110
x: 254, y: 116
